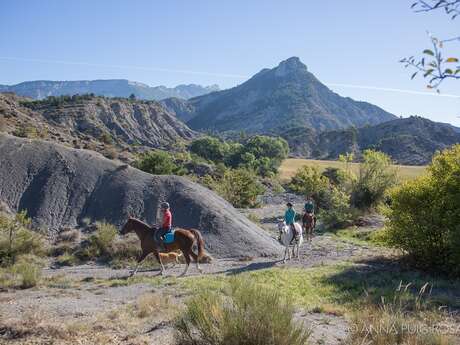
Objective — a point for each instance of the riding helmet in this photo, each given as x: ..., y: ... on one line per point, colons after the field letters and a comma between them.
x: 164, y: 205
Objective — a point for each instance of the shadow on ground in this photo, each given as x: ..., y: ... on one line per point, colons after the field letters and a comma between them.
x: 377, y: 278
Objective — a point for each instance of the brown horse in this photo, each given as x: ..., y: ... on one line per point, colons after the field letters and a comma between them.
x: 183, y: 241
x: 308, y: 223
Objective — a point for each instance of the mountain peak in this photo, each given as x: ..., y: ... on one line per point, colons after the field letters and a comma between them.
x: 291, y: 65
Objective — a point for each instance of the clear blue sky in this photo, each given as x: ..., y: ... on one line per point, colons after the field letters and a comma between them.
x: 354, y: 42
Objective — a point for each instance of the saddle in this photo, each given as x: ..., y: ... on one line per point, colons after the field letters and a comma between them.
x: 168, y: 238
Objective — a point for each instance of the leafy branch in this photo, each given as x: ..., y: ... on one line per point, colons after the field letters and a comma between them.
x: 451, y: 7
x: 433, y: 65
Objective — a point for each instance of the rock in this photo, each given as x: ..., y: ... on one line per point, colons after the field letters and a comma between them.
x: 63, y: 187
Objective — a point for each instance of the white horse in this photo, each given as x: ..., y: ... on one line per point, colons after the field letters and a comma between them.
x: 287, y: 235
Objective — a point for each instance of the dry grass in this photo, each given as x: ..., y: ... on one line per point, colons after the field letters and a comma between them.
x: 290, y: 166
x: 125, y: 325
x: 153, y: 304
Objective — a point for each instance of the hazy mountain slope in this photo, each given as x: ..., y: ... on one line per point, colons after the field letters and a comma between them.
x: 110, y: 88
x: 278, y: 99
x: 411, y: 140
x: 59, y: 187
x: 83, y: 119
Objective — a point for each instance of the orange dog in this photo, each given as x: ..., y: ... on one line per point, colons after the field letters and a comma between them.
x: 171, y: 257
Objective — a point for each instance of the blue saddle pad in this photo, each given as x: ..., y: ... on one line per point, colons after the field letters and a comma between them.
x: 169, y: 237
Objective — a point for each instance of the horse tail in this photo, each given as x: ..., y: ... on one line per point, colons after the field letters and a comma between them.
x: 199, y: 241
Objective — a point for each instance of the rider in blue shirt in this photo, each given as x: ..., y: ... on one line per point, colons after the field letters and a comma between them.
x: 289, y: 218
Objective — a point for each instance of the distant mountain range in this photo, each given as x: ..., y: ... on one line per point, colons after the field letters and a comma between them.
x: 410, y: 141
x: 275, y: 100
x: 110, y: 88
x: 286, y: 101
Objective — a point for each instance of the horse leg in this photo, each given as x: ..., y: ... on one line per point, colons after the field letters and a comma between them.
x: 139, y: 260
x: 187, y: 263
x: 285, y: 253
x: 195, y: 257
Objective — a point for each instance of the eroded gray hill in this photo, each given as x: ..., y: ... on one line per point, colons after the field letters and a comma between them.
x: 59, y: 186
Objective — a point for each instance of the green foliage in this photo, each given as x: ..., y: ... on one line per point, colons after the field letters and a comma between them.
x: 210, y: 148
x: 101, y: 242
x: 332, y: 200
x: 262, y: 154
x: 309, y: 181
x: 158, y: 162
x: 249, y: 314
x: 25, y: 273
x: 16, y: 239
x: 240, y: 187
x: 337, y: 211
x: 424, y: 215
x: 376, y: 176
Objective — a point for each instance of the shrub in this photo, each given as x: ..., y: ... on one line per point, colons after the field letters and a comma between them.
x: 210, y: 148
x: 336, y: 211
x: 332, y: 199
x: 240, y: 187
x: 158, y: 162
x: 30, y: 273
x: 25, y: 273
x: 424, y: 215
x: 248, y: 314
x: 16, y: 239
x: 99, y: 244
x: 309, y: 181
x: 376, y: 176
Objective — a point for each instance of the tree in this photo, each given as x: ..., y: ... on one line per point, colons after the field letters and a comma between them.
x: 210, y: 148
x: 424, y: 215
x: 376, y: 176
x: 157, y: 162
x: 434, y: 65
x: 132, y: 97
x: 240, y: 187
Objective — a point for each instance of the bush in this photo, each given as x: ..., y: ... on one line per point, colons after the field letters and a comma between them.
x: 424, y: 215
x: 158, y: 162
x: 16, y: 239
x: 210, y: 148
x: 240, y: 187
x: 329, y: 192
x: 100, y: 243
x: 376, y: 176
x: 25, y: 273
x: 30, y: 272
x: 247, y: 315
x: 309, y: 181
x: 262, y: 154
x: 336, y: 212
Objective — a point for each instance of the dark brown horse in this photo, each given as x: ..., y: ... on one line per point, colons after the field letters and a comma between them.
x: 183, y: 241
x: 309, y: 223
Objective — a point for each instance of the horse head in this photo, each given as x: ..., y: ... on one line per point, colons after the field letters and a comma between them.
x: 128, y: 227
x: 281, y: 225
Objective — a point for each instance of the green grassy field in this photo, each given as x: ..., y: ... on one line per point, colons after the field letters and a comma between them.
x: 289, y: 167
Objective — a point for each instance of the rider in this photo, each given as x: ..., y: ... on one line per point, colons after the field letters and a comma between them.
x: 166, y: 224
x: 309, y: 209
x: 289, y: 219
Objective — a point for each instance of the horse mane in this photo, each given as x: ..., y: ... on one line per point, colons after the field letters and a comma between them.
x: 141, y: 223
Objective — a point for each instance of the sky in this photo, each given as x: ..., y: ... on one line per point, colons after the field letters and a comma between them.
x: 352, y: 46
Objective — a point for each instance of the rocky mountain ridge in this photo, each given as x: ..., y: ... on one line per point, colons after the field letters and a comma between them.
x: 275, y: 100
x: 41, y: 89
